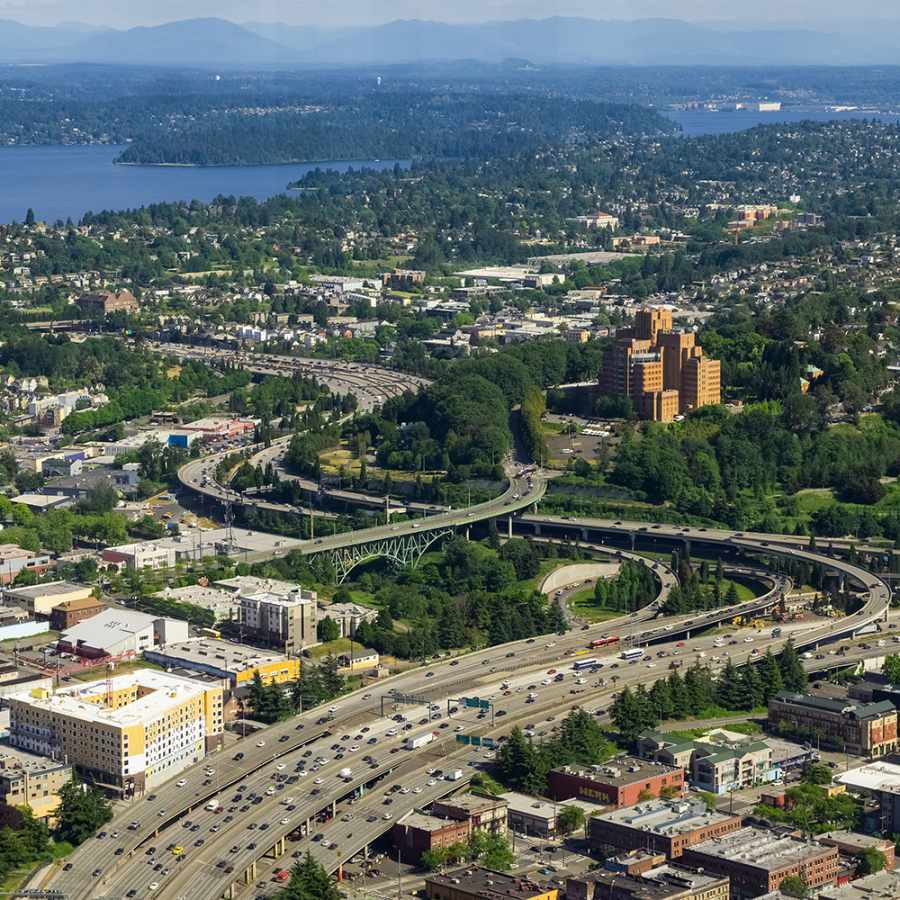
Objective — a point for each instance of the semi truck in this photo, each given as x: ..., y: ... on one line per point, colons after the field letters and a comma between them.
x: 420, y: 740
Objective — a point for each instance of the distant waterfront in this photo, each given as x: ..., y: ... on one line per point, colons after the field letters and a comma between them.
x: 697, y: 122
x: 67, y: 182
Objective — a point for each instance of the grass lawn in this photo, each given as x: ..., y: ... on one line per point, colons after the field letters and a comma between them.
x: 744, y: 593
x: 36, y: 640
x: 582, y: 605
x: 688, y: 734
x: 334, y: 648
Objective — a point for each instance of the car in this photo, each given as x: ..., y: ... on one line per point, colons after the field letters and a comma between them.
x: 260, y: 743
x: 153, y: 886
x: 67, y: 867
x: 238, y: 757
x: 96, y: 873
x: 181, y: 782
x: 285, y: 821
x: 283, y: 738
x: 387, y: 816
x: 280, y: 767
x: 316, y: 781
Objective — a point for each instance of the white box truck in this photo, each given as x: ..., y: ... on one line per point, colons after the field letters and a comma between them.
x: 455, y: 775
x: 420, y: 740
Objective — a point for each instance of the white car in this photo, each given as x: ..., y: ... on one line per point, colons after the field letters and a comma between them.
x: 260, y: 743
x: 280, y: 767
x: 317, y: 781
x: 417, y: 790
x: 354, y: 748
x: 404, y: 790
x: 181, y: 782
x: 153, y: 885
x: 748, y: 640
x: 432, y: 782
x: 285, y: 821
x: 287, y: 801
x: 387, y: 816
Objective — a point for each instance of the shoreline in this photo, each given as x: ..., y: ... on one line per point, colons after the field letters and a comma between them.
x: 260, y: 165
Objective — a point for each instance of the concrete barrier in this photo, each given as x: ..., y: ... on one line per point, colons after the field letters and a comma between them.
x: 577, y: 572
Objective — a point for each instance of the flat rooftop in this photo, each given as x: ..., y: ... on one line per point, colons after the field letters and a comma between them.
x: 470, y: 802
x: 425, y: 822
x: 205, y: 597
x: 877, y: 776
x: 760, y: 848
x: 226, y: 655
x: 620, y: 772
x: 488, y: 883
x: 881, y: 886
x: 16, y: 759
x: 525, y: 804
x: 196, y: 539
x: 251, y: 584
x: 665, y: 817
x: 163, y: 691
x: 47, y: 589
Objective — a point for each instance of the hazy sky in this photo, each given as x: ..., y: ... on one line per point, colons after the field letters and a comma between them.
x: 126, y: 13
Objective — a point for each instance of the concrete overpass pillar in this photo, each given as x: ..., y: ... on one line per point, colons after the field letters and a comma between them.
x: 306, y: 829
x: 250, y: 873
x: 279, y: 847
x: 333, y: 808
x: 509, y: 527
x: 467, y: 532
x: 584, y: 534
x: 537, y: 530
x: 365, y: 852
x: 340, y: 872
x: 632, y: 538
x: 229, y: 892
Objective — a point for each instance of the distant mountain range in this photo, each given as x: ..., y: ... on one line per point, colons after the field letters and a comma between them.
x: 560, y: 40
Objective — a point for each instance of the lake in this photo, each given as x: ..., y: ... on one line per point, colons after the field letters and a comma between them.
x: 698, y: 121
x: 64, y: 182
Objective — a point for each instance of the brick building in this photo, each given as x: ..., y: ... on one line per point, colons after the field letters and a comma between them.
x: 102, y: 303
x: 663, y: 371
x: 666, y: 826
x: 71, y: 612
x: 757, y: 860
x: 476, y: 883
x: 850, y: 844
x: 420, y: 832
x: 482, y: 813
x: 621, y: 782
x: 664, y: 883
x: 863, y: 729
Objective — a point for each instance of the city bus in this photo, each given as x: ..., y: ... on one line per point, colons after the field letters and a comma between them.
x: 633, y: 653
x: 604, y: 642
x: 583, y: 664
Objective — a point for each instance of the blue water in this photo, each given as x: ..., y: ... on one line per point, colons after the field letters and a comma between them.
x: 64, y: 182
x: 697, y: 122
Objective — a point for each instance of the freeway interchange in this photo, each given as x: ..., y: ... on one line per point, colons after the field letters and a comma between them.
x: 262, y: 781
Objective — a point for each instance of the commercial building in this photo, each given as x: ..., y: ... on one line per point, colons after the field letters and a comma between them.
x: 361, y: 659
x: 863, y: 729
x: 419, y: 832
x: 477, y: 883
x: 663, y: 371
x: 120, y: 632
x: 32, y: 780
x: 881, y: 781
x: 403, y: 279
x: 69, y: 613
x: 482, y: 813
x: 531, y: 816
x: 102, y: 303
x: 621, y: 782
x: 42, y: 599
x: 663, y: 883
x: 883, y: 885
x: 236, y: 663
x: 667, y: 826
x: 13, y: 559
x: 851, y: 844
x: 757, y: 860
x: 287, y: 622
x: 127, y: 733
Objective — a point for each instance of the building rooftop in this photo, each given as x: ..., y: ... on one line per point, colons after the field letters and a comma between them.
x: 47, y: 589
x: 840, y: 707
x: 471, y: 802
x: 759, y: 847
x: 81, y: 603
x: 619, y: 772
x: 881, y: 886
x: 852, y: 839
x: 637, y: 888
x: 226, y: 655
x: 682, y: 876
x: 206, y: 597
x: 425, y: 822
x: 251, y: 584
x: 158, y: 692
x: 666, y: 817
x: 877, y: 776
x: 16, y: 759
x: 544, y: 809
x: 488, y: 883
x: 295, y: 597
x: 108, y: 627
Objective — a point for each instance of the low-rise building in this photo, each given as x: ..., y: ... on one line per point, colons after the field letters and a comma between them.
x: 236, y: 663
x: 13, y: 559
x: 32, y: 780
x: 881, y: 781
x: 70, y: 612
x: 532, y: 816
x: 361, y: 659
x: 419, y: 832
x: 120, y: 632
x: 347, y: 616
x: 223, y: 604
x: 757, y: 860
x: 864, y: 729
x: 851, y: 844
x: 666, y: 883
x: 667, y: 826
x: 477, y: 883
x: 102, y: 303
x: 126, y: 733
x: 42, y: 599
x: 620, y: 782
x: 883, y: 885
x: 482, y: 813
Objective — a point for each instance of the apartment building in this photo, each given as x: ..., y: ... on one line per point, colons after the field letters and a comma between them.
x: 666, y: 826
x: 27, y: 779
x: 126, y: 733
x: 863, y: 729
x: 757, y: 860
x: 663, y: 371
x: 284, y: 621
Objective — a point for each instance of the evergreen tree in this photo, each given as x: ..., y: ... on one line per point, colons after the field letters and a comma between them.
x: 309, y: 881
x: 770, y: 676
x: 82, y: 810
x: 792, y: 674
